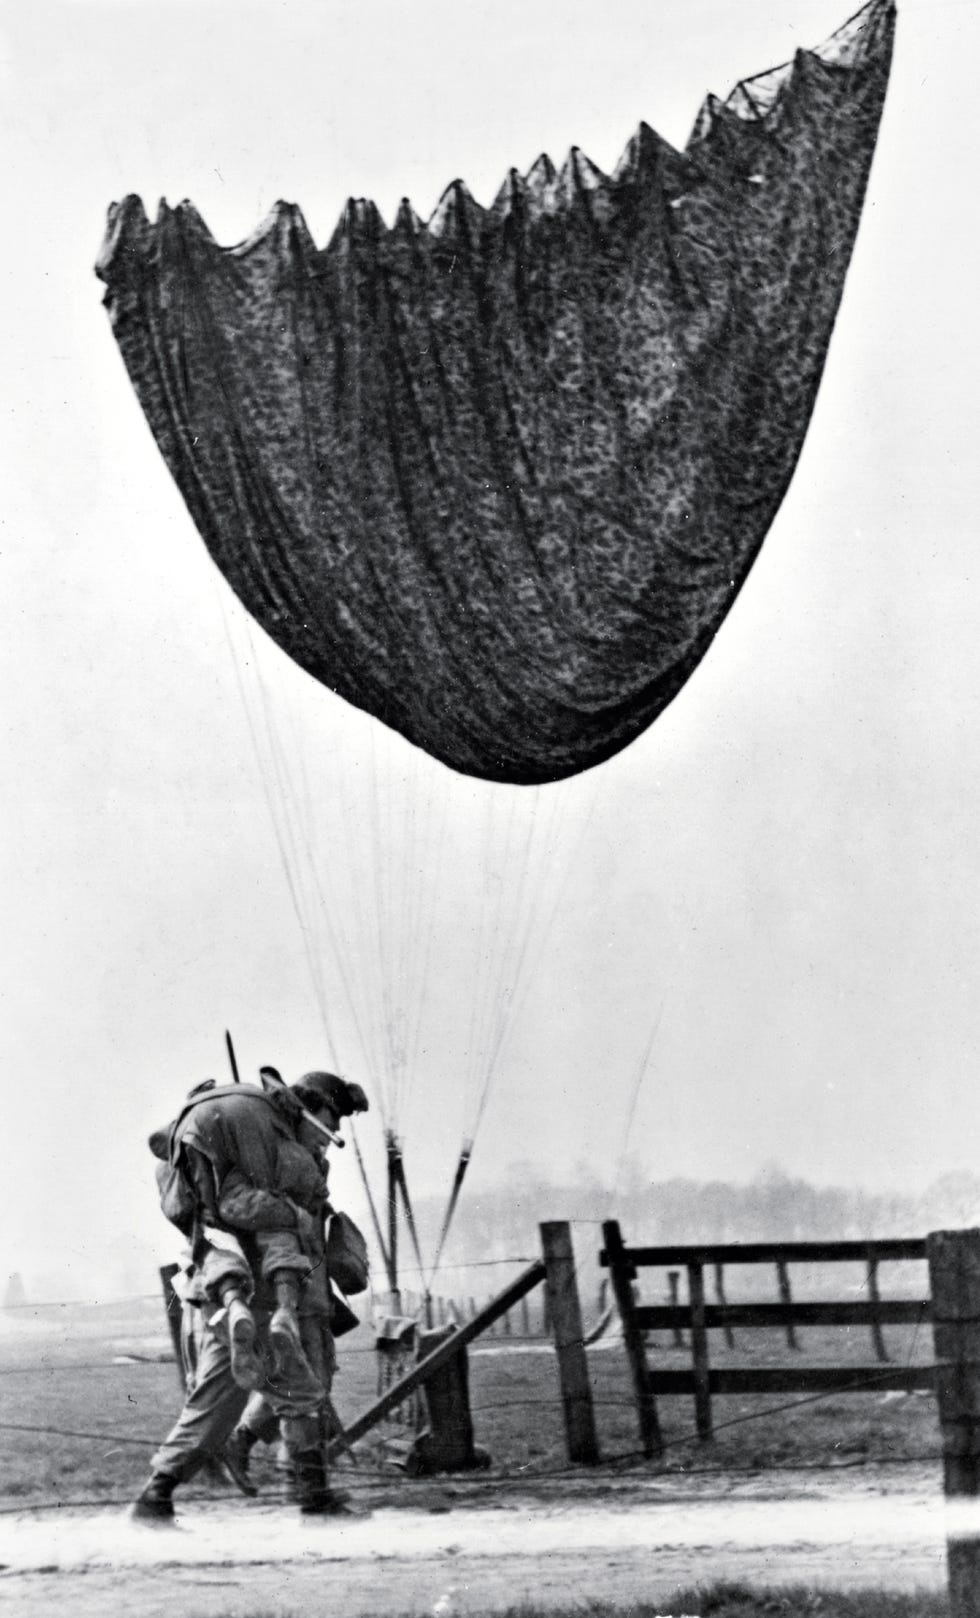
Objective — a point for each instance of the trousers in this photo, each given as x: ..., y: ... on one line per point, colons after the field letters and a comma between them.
x: 214, y: 1402
x: 221, y: 1262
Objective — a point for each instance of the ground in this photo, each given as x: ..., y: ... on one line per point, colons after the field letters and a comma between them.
x: 838, y: 1492
x: 602, y: 1539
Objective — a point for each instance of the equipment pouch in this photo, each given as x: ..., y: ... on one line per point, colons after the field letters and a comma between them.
x: 177, y: 1200
x: 346, y: 1259
x: 342, y: 1316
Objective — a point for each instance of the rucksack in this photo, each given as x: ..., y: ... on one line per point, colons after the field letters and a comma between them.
x: 177, y: 1200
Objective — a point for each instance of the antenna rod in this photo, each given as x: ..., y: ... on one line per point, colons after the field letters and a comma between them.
x: 231, y: 1058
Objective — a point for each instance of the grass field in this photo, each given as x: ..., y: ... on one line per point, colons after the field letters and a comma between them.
x: 736, y: 1601
x: 59, y: 1373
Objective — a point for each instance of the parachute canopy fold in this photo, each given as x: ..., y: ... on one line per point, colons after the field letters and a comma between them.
x: 497, y: 479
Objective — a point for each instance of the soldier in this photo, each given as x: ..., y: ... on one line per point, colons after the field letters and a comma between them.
x: 249, y: 1162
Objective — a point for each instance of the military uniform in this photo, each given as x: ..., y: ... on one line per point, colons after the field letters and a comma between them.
x: 258, y: 1185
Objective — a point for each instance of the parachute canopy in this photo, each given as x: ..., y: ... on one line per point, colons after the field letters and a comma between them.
x: 497, y: 478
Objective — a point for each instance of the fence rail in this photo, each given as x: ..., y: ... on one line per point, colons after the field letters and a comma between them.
x: 891, y: 1249
x: 697, y: 1318
x: 556, y: 1269
x: 890, y: 1312
x: 433, y: 1362
x: 797, y: 1379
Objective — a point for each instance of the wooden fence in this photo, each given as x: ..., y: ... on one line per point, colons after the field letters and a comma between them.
x: 524, y: 1319
x: 697, y: 1318
x: 556, y: 1269
x: 953, y: 1308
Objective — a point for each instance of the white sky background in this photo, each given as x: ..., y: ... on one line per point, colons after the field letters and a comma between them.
x: 781, y: 876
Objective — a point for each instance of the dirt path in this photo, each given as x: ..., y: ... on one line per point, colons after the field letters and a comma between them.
x: 641, y: 1541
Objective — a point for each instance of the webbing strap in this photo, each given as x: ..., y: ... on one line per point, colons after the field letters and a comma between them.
x: 210, y: 1095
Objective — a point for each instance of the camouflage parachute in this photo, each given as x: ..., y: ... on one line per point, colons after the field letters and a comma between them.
x: 498, y: 478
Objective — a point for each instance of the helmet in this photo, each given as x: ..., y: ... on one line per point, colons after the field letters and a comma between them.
x: 316, y: 1090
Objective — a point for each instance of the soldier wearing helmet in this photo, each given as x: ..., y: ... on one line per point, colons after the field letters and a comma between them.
x: 251, y: 1160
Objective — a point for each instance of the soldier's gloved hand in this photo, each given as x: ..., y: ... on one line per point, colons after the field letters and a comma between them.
x: 305, y: 1223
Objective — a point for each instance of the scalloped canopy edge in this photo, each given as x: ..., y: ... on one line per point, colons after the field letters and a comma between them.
x: 546, y: 189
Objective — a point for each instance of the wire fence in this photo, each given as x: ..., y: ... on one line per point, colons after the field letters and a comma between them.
x: 363, y: 1471
x: 536, y: 1473
x: 861, y: 1384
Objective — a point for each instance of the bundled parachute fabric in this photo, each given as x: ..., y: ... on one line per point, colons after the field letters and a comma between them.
x: 497, y: 479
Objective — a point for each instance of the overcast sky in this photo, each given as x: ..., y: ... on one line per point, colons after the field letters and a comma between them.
x: 772, y: 894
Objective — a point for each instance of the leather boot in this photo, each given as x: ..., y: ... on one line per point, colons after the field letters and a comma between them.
x: 284, y: 1330
x: 234, y: 1461
x: 238, y: 1322
x: 155, y: 1503
x: 313, y: 1491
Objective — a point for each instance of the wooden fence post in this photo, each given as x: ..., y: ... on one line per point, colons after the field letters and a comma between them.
x: 786, y: 1297
x: 699, y: 1353
x: 174, y: 1311
x: 525, y: 1318
x: 954, y: 1275
x: 566, y: 1315
x: 877, y: 1337
x: 621, y: 1273
x: 723, y: 1301
x: 420, y: 1373
x: 673, y: 1281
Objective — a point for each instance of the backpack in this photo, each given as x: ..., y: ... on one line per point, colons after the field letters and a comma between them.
x: 177, y: 1200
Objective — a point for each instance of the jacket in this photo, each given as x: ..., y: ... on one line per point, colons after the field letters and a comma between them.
x: 238, y: 1148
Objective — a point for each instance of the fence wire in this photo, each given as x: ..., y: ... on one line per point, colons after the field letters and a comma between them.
x: 501, y: 1480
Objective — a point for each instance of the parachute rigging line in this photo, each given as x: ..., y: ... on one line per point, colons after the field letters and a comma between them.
x: 300, y: 866
x: 402, y: 1184
x: 497, y: 479
x: 464, y: 1162
x: 372, y: 1206
x: 534, y: 940
x: 280, y: 833
x: 643, y: 1065
x: 509, y: 932
x: 295, y: 849
x: 509, y: 1008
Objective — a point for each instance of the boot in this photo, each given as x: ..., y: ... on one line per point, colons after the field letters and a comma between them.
x: 155, y: 1503
x: 233, y: 1461
x: 238, y: 1322
x: 313, y: 1492
x: 284, y: 1330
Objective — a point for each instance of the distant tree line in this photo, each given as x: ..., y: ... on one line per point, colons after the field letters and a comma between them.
x: 496, y: 1227
x: 502, y: 1221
